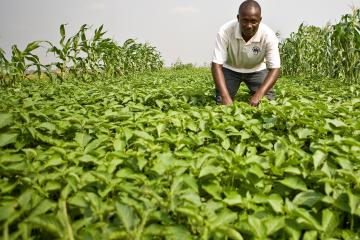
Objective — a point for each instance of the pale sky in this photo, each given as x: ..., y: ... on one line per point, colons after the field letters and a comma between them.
x: 181, y: 29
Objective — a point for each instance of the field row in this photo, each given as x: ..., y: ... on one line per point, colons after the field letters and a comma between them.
x: 152, y: 156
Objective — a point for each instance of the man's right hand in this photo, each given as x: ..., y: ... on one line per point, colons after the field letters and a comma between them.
x: 226, y: 100
x: 220, y: 84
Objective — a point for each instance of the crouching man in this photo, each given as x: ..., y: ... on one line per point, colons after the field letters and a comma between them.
x: 246, y: 50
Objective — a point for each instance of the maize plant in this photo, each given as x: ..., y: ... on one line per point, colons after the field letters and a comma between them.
x: 88, y: 58
x: 20, y: 64
x: 332, y: 51
x: 80, y: 56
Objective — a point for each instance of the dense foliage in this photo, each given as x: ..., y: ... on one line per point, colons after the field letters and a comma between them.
x: 118, y: 151
x: 331, y: 52
x: 152, y: 157
x: 80, y: 56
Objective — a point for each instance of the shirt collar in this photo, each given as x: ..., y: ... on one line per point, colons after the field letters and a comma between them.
x: 255, y: 38
x: 237, y: 31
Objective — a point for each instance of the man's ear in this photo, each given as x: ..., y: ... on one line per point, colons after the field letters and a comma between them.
x: 260, y: 19
x: 238, y: 17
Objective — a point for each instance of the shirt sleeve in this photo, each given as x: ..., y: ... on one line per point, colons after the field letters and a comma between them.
x: 272, y: 53
x: 220, y: 50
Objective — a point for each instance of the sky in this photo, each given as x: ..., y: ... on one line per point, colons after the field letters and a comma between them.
x: 180, y: 29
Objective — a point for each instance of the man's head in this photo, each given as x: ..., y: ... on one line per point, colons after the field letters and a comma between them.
x: 249, y: 18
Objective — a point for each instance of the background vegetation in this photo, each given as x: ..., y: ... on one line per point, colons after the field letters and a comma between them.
x: 329, y: 52
x: 85, y: 58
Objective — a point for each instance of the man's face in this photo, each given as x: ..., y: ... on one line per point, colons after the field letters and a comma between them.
x: 249, y: 19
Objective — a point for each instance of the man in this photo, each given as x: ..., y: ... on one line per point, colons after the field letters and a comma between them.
x: 246, y: 50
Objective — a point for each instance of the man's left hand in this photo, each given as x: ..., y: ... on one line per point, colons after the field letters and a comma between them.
x: 255, y: 100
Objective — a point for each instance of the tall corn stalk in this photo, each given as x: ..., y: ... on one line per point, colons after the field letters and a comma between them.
x: 332, y: 51
x: 82, y: 57
x: 21, y: 62
x: 88, y: 58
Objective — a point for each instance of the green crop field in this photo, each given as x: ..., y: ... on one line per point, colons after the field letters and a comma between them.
x: 111, y: 145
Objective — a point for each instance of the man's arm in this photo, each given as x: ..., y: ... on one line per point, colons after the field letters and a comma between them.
x: 219, y: 79
x: 268, y: 83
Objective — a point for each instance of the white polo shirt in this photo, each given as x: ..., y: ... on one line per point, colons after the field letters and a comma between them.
x: 259, y: 53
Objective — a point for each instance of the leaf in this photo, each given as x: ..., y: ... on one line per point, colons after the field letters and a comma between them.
x: 310, y: 235
x: 309, y: 198
x: 44, y: 206
x: 231, y: 233
x: 211, y: 169
x: 144, y: 135
x: 244, y: 135
x: 55, y: 160
x: 52, y: 186
x: 160, y: 128
x: 48, y: 223
x: 240, y: 149
x: 294, y: 183
x: 232, y: 198
x: 274, y: 224
x: 223, y: 218
x: 318, y: 158
x: 191, y: 182
x: 280, y: 157
x: 24, y: 198
x: 354, y: 203
x: 82, y: 139
x: 11, y: 158
x: 119, y: 145
x: 342, y: 202
x: 191, y: 197
x: 214, y: 189
x: 293, y: 228
x: 336, y: 122
x: 276, y: 202
x: 48, y: 126
x: 6, y: 212
x: 257, y: 226
x: 62, y: 33
x: 190, y: 212
x: 7, y: 138
x: 163, y: 162
x: 31, y: 46
x: 191, y: 126
x: 330, y: 221
x: 89, y: 159
x: 154, y: 230
x: 304, y: 133
x: 93, y: 145
x: 256, y: 170
x: 177, y: 232
x: 6, y: 119
x: 220, y: 134
x: 225, y: 143
x: 308, y: 218
x: 78, y: 200
x: 127, y: 215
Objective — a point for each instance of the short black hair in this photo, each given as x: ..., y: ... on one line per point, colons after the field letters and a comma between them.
x: 250, y: 3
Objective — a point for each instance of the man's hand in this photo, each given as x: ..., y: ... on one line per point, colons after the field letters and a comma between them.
x: 226, y: 100
x: 255, y: 100
x: 219, y: 79
x: 268, y: 83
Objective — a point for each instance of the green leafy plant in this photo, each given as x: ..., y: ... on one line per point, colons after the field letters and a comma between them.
x: 152, y: 156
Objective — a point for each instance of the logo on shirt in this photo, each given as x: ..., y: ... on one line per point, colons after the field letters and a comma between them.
x: 256, y: 50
